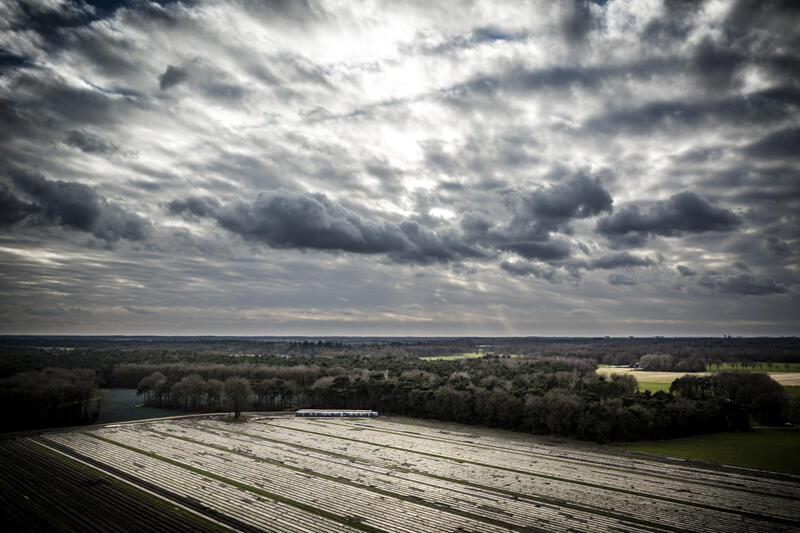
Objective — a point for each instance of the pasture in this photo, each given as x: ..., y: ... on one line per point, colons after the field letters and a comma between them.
x: 765, y: 448
x: 280, y: 473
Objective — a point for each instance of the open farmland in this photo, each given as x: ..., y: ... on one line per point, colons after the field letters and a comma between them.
x: 287, y: 474
x: 784, y: 378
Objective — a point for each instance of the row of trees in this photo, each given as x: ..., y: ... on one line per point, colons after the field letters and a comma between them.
x: 194, y: 393
x: 557, y: 396
x: 759, y: 394
x: 50, y: 397
x: 664, y: 362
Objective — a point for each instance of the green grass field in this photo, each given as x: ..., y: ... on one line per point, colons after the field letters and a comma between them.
x: 471, y: 355
x: 653, y: 386
x: 763, y: 448
x: 755, y: 367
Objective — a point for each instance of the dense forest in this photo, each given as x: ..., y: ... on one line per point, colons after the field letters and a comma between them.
x: 543, y: 386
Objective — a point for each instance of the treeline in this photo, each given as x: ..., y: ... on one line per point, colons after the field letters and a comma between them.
x: 550, y: 386
x: 49, y: 398
x: 763, y: 397
x: 664, y: 362
x: 102, y: 354
x: 559, y: 396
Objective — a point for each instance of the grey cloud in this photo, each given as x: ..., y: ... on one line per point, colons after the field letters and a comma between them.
x: 748, y: 285
x: 741, y: 265
x: 578, y: 21
x: 525, y: 268
x: 48, y: 20
x: 12, y: 209
x: 173, y: 76
x: 78, y: 206
x: 762, y: 107
x: 520, y: 80
x: 545, y: 251
x: 578, y: 197
x: 782, y: 144
x: 685, y: 270
x: 716, y: 66
x: 620, y: 260
x: 617, y: 279
x: 685, y: 212
x: 284, y: 219
x: 778, y: 247
x: 89, y: 142
x: 550, y: 209
x: 536, y: 215
x: 202, y: 76
x: 198, y: 206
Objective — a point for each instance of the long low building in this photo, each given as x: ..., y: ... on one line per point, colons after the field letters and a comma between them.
x: 344, y: 413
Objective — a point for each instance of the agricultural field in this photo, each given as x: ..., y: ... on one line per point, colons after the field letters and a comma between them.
x: 784, y: 378
x: 281, y: 473
x: 467, y: 355
x: 454, y: 357
x: 775, y: 449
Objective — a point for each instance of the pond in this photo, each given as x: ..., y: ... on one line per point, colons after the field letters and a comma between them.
x: 124, y: 404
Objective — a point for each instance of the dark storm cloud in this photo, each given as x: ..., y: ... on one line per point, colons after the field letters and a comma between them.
x: 685, y: 212
x: 548, y: 209
x: 284, y: 219
x: 519, y: 79
x: 544, y: 138
x: 203, y: 76
x: 544, y: 251
x: 49, y: 20
x: 744, y: 284
x: 78, y: 206
x: 716, y: 65
x: 524, y: 268
x: 197, y: 206
x: 289, y: 220
x: 46, y: 105
x: 769, y: 106
x: 575, y: 268
x: 538, y: 214
x: 620, y: 260
x: 12, y: 209
x: 578, y: 197
x: 617, y: 279
x: 578, y: 21
x: 89, y: 142
x: 778, y: 247
x: 782, y: 144
x: 172, y: 77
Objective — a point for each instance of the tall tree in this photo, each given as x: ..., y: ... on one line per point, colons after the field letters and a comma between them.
x: 237, y: 394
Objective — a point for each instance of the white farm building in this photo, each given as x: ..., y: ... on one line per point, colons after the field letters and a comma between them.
x: 343, y: 413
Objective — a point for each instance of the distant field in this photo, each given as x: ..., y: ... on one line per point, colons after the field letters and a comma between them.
x: 763, y: 448
x: 470, y: 355
x: 784, y: 378
x: 285, y: 474
x: 654, y: 386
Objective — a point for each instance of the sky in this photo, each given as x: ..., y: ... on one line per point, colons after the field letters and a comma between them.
x: 475, y: 168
